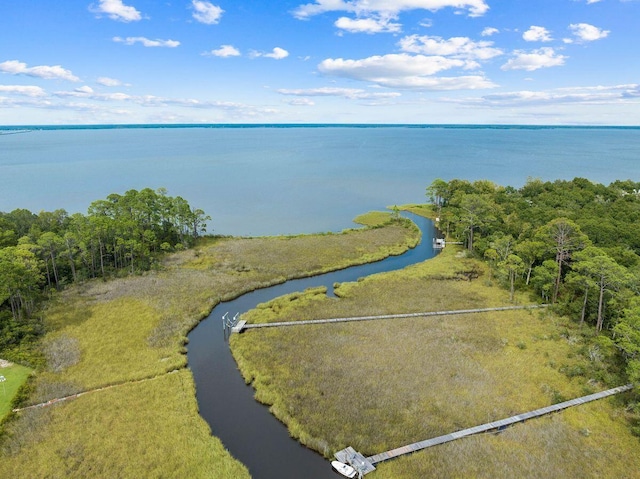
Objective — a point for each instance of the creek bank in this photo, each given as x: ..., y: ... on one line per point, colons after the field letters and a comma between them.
x: 247, y: 429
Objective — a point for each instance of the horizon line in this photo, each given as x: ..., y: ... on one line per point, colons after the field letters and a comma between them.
x: 80, y: 126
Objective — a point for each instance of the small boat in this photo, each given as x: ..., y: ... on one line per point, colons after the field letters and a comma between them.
x: 344, y: 469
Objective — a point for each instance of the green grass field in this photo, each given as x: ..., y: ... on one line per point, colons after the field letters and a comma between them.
x: 14, y: 377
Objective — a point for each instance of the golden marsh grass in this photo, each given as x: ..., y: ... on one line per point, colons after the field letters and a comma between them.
x: 382, y: 384
x: 117, y: 433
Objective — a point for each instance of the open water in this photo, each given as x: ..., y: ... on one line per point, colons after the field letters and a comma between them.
x: 287, y: 179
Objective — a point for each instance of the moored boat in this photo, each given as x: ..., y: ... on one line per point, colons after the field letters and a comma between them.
x: 344, y: 469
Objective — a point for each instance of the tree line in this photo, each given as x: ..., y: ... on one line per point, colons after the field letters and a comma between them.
x: 120, y: 234
x: 574, y: 244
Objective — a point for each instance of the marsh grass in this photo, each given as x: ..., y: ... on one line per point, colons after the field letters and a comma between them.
x: 373, y: 218
x: 113, y: 346
x: 290, y: 257
x: 101, y: 435
x: 383, y: 384
x: 558, y: 446
x: 132, y: 328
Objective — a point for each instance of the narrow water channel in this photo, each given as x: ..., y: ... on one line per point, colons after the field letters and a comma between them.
x: 247, y: 428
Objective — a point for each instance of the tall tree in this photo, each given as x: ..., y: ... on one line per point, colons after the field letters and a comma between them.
x: 583, y: 285
x: 476, y: 211
x: 20, y: 278
x: 607, y: 275
x: 437, y: 193
x: 530, y: 250
x: 562, y: 236
x: 627, y: 339
x: 51, y: 244
x: 513, y: 266
x: 543, y: 278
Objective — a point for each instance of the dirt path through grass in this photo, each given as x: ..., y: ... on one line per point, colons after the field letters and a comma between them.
x: 53, y: 401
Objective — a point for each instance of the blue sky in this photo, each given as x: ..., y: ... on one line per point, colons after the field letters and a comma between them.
x: 320, y: 61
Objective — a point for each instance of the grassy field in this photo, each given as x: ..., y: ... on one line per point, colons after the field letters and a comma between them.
x: 15, y: 376
x: 383, y: 384
x: 145, y: 429
x: 124, y: 331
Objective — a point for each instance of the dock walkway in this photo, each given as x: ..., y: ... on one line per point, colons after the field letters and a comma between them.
x: 491, y: 426
x: 243, y: 325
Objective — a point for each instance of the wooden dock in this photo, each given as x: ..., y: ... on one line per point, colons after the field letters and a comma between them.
x: 356, y: 460
x: 242, y: 325
x: 239, y: 327
x: 491, y: 426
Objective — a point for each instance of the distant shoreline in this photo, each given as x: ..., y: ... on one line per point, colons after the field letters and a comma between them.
x: 8, y: 129
x: 12, y: 131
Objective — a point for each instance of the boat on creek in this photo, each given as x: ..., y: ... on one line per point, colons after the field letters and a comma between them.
x: 344, y: 469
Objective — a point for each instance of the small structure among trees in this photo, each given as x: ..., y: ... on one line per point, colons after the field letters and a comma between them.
x: 572, y: 243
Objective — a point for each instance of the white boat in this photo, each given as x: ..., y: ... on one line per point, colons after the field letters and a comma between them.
x: 344, y: 469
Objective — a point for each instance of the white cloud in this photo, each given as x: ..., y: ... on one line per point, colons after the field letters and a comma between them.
x: 114, y: 97
x: 82, y: 92
x: 225, y: 51
x: 426, y: 23
x: 589, y: 2
x: 116, y: 10
x: 542, y: 58
x: 152, y: 101
x: 46, y: 72
x: 389, y: 7
x: 350, y: 93
x: 404, y: 71
x: 30, y: 91
x: 277, y: 54
x: 457, y: 47
x: 596, y: 95
x: 368, y: 25
x: 537, y: 34
x: 85, y: 89
x: 147, y: 42
x: 587, y: 33
x: 106, y: 81
x: 30, y: 102
x: 488, y: 31
x: 300, y: 102
x: 85, y: 99
x: 206, y: 12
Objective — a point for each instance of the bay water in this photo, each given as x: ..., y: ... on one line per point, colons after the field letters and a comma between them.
x: 290, y: 179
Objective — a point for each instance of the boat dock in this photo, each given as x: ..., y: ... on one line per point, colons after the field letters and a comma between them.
x: 440, y: 243
x: 243, y: 325
x: 362, y: 464
x: 356, y: 460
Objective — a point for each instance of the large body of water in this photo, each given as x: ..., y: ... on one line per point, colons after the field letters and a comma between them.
x: 294, y: 179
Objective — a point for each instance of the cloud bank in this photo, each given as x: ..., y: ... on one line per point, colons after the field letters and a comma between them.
x: 147, y: 42
x: 46, y: 72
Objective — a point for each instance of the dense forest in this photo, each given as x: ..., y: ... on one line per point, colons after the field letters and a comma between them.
x: 574, y: 244
x: 40, y: 253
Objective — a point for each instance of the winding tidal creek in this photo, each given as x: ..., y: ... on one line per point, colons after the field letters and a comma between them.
x: 247, y: 428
